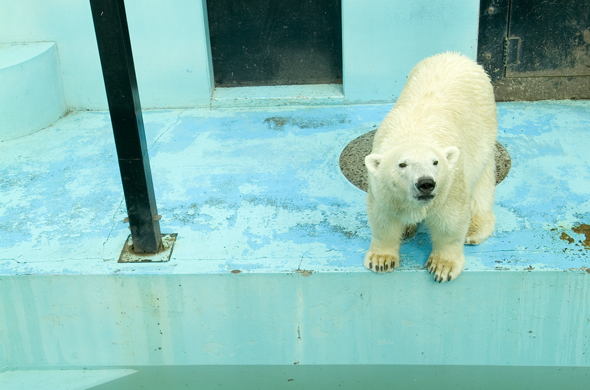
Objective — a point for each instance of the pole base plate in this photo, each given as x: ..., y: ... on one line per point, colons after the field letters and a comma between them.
x: 129, y: 256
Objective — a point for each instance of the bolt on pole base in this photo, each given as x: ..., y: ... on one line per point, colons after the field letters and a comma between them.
x: 163, y: 255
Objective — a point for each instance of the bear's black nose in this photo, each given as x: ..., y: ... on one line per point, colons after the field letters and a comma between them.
x: 425, y: 185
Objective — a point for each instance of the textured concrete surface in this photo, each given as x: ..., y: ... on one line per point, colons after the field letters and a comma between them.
x: 261, y: 191
x: 267, y: 268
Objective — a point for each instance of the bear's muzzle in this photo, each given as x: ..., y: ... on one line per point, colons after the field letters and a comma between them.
x: 425, y: 187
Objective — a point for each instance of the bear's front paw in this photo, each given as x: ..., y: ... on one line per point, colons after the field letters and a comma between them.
x: 445, y: 267
x: 381, y: 261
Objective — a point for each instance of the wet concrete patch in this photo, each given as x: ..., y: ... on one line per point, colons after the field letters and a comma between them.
x: 352, y: 160
x: 279, y: 122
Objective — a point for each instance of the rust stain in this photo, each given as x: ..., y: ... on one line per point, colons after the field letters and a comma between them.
x: 565, y: 237
x: 304, y: 272
x: 585, y: 269
x: 235, y: 271
x: 585, y: 230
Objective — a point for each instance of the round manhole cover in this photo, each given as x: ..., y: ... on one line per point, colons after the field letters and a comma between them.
x: 352, y: 160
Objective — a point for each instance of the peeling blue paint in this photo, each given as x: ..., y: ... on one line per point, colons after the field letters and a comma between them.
x: 260, y: 190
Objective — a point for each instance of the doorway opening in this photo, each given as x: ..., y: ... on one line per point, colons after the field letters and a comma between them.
x: 275, y: 42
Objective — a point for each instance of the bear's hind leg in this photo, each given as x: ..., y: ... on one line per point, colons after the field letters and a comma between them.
x: 483, y: 220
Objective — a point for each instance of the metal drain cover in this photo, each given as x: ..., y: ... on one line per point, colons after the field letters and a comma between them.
x: 352, y: 160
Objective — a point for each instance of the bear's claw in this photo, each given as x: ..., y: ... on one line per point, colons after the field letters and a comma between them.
x: 444, y: 270
x: 380, y: 262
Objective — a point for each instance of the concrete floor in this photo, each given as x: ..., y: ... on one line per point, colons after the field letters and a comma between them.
x: 260, y: 190
x: 267, y: 268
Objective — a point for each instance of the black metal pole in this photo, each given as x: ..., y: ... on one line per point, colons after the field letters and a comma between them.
x: 114, y: 47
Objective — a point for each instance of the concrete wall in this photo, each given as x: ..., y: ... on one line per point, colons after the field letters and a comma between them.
x: 31, y: 93
x: 382, y: 40
x: 533, y: 319
x: 169, y: 40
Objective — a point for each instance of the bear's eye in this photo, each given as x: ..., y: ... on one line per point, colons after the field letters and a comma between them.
x: 403, y: 165
x: 435, y: 163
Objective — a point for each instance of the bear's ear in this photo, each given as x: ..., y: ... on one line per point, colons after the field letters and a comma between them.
x: 452, y: 154
x: 372, y: 162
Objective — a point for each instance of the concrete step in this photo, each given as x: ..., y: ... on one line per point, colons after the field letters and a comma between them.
x: 31, y: 91
x: 59, y: 379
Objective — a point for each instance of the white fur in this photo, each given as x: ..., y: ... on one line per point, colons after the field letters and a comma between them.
x: 442, y: 129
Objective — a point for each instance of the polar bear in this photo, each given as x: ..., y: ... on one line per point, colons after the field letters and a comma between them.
x: 433, y: 161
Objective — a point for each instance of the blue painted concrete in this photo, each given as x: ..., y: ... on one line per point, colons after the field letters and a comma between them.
x: 347, y: 318
x: 170, y: 47
x: 257, y: 184
x: 259, y: 192
x: 31, y: 93
x: 382, y: 41
x: 267, y: 268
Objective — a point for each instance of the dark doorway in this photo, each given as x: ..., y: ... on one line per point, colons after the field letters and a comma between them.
x: 536, y: 50
x: 275, y: 42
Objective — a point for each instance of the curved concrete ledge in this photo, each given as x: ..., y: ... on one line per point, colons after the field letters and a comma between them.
x: 31, y: 91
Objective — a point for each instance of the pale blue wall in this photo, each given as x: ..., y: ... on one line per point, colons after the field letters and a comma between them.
x: 31, y: 93
x: 534, y: 319
x: 384, y: 39
x: 169, y: 40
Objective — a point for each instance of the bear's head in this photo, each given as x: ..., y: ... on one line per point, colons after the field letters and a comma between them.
x: 413, y: 174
